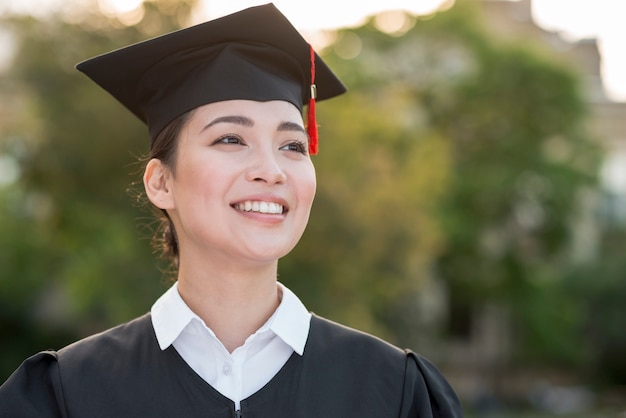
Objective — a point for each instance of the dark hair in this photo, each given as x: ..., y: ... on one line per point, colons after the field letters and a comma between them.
x: 164, y: 147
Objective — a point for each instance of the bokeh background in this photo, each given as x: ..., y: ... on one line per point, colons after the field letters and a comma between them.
x: 471, y: 197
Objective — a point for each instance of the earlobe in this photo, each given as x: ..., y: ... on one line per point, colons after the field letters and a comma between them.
x: 156, y: 183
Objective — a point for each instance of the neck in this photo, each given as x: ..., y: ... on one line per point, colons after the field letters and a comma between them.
x: 234, y: 302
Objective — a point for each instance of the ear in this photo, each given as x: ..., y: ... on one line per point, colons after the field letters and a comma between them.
x: 156, y: 181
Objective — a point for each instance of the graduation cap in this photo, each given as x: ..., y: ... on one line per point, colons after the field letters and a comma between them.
x: 255, y: 54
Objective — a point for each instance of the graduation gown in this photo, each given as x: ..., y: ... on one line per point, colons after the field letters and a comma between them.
x: 122, y: 372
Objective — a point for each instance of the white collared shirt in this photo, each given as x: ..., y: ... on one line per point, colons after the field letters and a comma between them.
x: 248, y: 368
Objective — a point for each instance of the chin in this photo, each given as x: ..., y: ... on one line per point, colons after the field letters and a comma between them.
x: 270, y: 256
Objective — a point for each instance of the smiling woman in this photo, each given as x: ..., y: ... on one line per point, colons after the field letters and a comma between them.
x: 230, y: 155
x: 230, y: 173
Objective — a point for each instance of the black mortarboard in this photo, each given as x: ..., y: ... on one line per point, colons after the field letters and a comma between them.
x: 254, y: 54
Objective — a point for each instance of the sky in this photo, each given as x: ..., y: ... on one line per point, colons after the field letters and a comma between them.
x: 574, y: 19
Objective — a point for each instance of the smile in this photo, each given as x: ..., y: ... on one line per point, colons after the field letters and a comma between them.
x: 260, y: 207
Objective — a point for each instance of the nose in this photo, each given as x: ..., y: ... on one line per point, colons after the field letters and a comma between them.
x: 266, y: 168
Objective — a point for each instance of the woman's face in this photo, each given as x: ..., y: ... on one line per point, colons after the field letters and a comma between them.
x: 243, y: 182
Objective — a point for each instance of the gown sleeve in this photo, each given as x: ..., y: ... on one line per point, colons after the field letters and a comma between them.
x: 33, y: 390
x: 427, y: 394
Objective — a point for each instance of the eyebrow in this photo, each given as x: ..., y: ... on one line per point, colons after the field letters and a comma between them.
x: 290, y: 126
x: 249, y: 123
x: 237, y: 120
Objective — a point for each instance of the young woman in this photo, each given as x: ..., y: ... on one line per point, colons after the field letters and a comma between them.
x: 231, y: 172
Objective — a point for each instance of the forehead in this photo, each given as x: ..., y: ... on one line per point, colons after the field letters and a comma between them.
x: 258, y: 112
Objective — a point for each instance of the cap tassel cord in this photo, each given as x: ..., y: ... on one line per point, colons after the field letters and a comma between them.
x: 311, y: 120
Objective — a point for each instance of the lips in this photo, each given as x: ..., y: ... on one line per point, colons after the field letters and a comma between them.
x: 260, y: 206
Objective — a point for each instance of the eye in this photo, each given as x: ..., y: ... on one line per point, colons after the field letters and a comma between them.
x: 296, y: 146
x: 229, y: 139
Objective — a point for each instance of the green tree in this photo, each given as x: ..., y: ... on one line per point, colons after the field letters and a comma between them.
x: 74, y: 249
x: 522, y: 159
x: 475, y: 153
x: 373, y: 233
x: 598, y: 290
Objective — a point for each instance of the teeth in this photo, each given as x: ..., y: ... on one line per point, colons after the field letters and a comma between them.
x: 261, y: 207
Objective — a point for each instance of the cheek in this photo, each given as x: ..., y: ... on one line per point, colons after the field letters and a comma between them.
x: 198, y: 180
x: 307, y: 184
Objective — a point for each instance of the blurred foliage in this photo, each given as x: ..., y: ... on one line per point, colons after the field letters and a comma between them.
x: 598, y: 290
x: 455, y: 157
x: 372, y: 233
x: 74, y: 249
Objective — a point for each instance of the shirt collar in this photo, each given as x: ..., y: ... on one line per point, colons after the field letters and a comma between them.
x: 290, y: 322
x: 170, y: 316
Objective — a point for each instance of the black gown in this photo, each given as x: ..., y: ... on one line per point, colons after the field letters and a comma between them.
x: 123, y: 373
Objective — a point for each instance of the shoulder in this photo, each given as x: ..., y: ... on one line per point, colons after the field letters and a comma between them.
x: 112, y: 367
x: 355, y: 357
x: 426, y: 389
x: 33, y: 390
x: 131, y: 336
x: 421, y: 387
x: 100, y: 376
x: 332, y: 336
x: 116, y: 352
x: 39, y: 377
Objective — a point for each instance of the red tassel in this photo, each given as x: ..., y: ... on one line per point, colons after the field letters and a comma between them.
x: 311, y: 119
x: 312, y: 129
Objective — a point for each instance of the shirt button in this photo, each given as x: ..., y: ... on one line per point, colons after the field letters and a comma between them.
x: 226, y: 369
